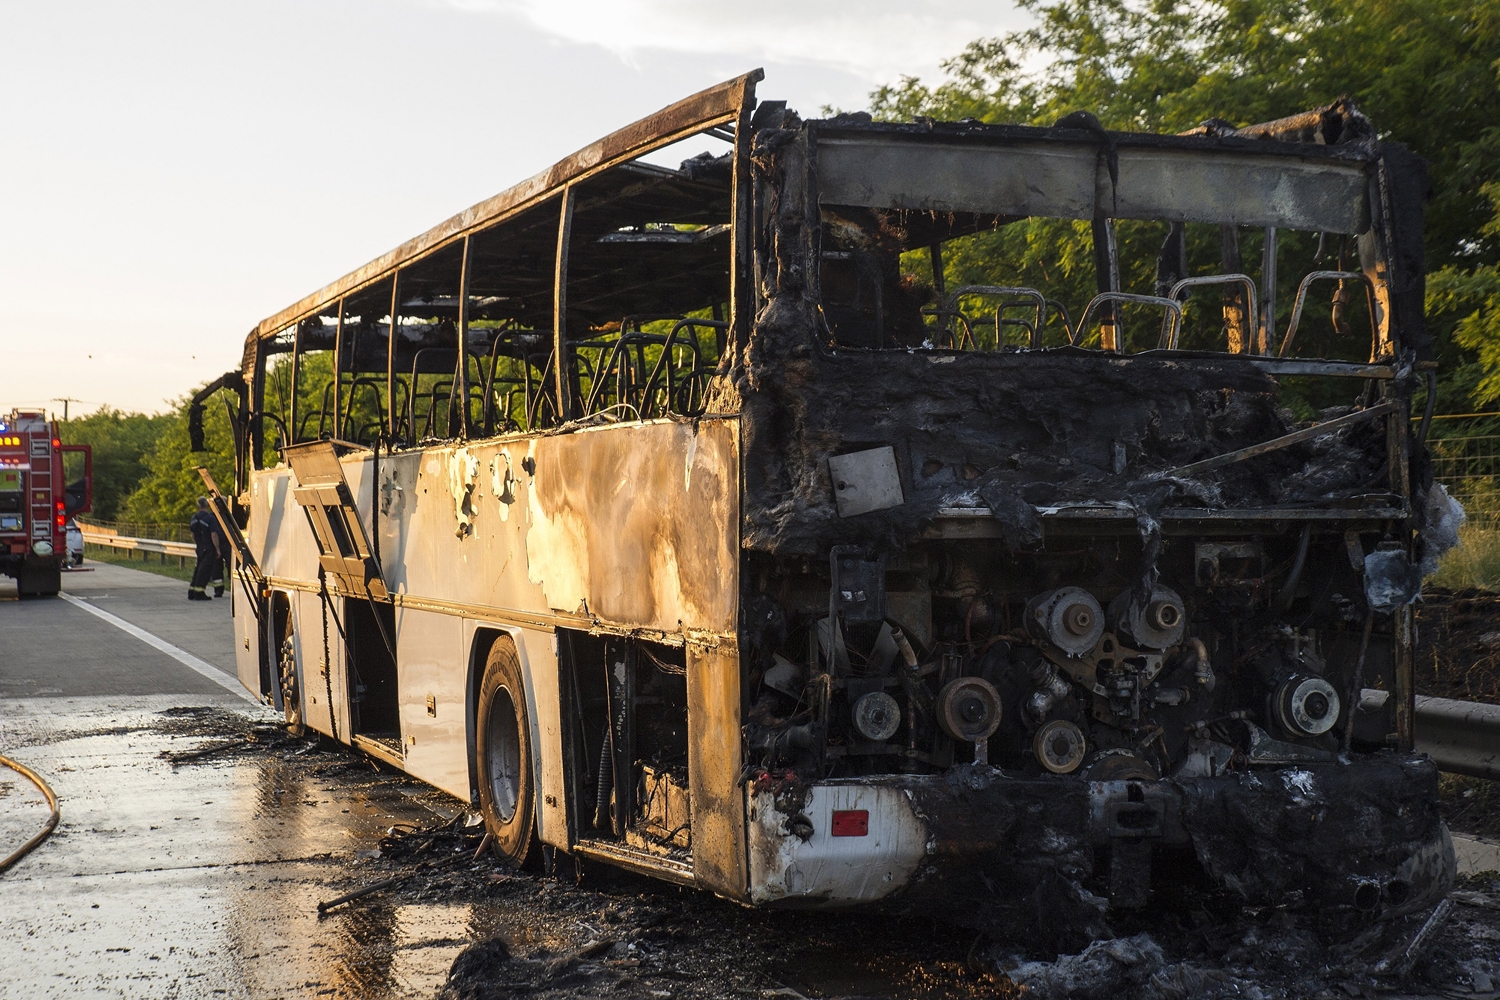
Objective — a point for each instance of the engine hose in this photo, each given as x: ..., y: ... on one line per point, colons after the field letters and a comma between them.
x: 46, y: 790
x: 606, y: 781
x: 1289, y: 589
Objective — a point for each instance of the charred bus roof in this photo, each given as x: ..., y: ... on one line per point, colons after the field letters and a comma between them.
x: 1321, y: 170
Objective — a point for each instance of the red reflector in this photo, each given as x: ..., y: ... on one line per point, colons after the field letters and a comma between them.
x: 851, y: 822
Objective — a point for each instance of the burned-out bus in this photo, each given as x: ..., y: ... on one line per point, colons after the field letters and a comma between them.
x: 688, y: 515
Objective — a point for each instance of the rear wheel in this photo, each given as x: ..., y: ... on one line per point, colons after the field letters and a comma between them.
x: 286, y: 666
x: 506, y: 794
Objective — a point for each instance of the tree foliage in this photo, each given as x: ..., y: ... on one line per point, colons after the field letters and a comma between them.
x: 170, y: 490
x: 122, y: 444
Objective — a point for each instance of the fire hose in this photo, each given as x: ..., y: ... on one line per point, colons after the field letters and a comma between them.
x: 46, y: 790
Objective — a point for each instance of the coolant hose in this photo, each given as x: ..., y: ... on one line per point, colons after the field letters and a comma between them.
x: 606, y: 781
x: 46, y: 790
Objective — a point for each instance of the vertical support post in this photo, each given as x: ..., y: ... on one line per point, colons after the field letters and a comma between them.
x: 562, y: 362
x: 720, y: 858
x: 338, y: 374
x: 461, y: 378
x: 1267, y: 332
x: 1107, y: 275
x: 1236, y: 309
x: 291, y: 429
x: 940, y: 287
x: 741, y: 231
x: 390, y: 356
x: 1405, y: 679
x: 622, y: 703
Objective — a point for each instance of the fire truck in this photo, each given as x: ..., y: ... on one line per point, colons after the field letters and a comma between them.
x: 36, y: 500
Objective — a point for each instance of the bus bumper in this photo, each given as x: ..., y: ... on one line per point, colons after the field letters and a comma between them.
x: 1350, y: 842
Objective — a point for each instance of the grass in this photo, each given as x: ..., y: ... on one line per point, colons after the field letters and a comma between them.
x: 1473, y: 562
x: 1470, y: 805
x: 151, y: 563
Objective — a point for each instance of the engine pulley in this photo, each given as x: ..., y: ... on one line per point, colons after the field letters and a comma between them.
x: 1059, y: 746
x: 876, y: 716
x: 968, y: 709
x: 1158, y: 625
x: 1069, y: 618
x: 1306, y: 706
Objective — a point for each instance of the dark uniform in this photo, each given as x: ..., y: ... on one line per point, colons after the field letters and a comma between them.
x: 222, y: 566
x: 206, y: 537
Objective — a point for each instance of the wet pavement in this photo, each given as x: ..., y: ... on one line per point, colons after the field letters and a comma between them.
x: 192, y: 880
x: 173, y: 875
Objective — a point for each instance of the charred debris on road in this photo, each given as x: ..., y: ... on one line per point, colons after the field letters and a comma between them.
x: 577, y: 932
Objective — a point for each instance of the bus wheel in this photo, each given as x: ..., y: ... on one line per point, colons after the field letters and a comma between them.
x: 286, y: 666
x: 506, y: 797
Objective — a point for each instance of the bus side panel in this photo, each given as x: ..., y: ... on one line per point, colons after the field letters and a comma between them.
x: 718, y: 802
x: 279, y: 535
x: 639, y: 524
x: 431, y: 654
x: 247, y: 638
x: 313, y: 682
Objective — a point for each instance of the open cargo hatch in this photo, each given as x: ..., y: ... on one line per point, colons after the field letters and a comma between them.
x: 343, y: 548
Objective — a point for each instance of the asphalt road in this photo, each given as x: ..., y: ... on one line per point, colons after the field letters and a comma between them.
x: 194, y: 880
x: 202, y: 878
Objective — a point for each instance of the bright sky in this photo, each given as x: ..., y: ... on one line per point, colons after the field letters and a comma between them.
x: 173, y: 172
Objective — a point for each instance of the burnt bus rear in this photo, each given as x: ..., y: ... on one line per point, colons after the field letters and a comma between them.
x: 1044, y: 611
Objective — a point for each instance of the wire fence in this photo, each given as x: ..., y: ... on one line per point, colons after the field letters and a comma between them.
x: 1470, y: 468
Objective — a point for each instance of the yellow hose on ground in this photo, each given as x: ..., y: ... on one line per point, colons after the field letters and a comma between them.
x: 36, y: 779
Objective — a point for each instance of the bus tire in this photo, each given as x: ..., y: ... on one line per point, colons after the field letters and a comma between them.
x: 286, y: 670
x: 507, y: 799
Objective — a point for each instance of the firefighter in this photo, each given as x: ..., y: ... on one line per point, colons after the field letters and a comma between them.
x: 206, y: 536
x: 221, y: 566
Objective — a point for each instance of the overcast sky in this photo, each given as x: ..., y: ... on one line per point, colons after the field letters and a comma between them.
x: 172, y: 173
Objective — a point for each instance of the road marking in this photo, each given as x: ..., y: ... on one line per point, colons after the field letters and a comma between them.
x: 1475, y: 855
x: 182, y: 656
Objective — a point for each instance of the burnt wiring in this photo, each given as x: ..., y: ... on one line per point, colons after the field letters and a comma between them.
x: 666, y: 668
x: 52, y: 820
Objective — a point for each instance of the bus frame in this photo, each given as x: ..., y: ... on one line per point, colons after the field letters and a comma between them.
x: 509, y: 602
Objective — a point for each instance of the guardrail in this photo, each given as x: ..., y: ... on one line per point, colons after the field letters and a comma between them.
x: 1462, y: 736
x: 183, y: 550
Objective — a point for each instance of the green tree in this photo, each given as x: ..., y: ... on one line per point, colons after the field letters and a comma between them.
x: 121, y: 444
x: 169, y: 491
